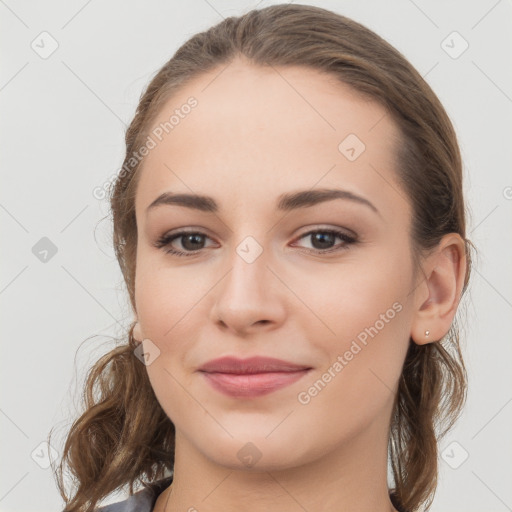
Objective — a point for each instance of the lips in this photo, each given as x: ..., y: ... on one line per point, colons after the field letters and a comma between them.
x: 253, y: 377
x: 256, y: 364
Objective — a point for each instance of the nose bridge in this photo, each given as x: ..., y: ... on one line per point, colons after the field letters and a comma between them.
x: 247, y: 294
x: 249, y: 266
x: 250, y: 252
x: 249, y: 273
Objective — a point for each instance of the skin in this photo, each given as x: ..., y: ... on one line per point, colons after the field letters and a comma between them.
x: 255, y: 134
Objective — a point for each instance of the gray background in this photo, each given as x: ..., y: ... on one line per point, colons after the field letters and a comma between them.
x: 63, y: 120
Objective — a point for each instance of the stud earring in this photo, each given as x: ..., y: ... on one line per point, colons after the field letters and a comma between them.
x: 427, y: 333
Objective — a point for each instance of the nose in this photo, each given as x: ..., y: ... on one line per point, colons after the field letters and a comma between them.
x: 249, y: 298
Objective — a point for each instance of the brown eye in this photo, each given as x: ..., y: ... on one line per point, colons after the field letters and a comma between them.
x: 190, y: 241
x: 323, y: 240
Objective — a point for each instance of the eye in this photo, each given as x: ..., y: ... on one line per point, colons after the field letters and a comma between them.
x: 193, y: 241
x: 323, y: 240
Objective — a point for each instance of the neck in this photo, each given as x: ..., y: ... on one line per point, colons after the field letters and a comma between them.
x: 352, y: 476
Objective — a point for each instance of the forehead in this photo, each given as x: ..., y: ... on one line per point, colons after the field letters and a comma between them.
x: 252, y: 126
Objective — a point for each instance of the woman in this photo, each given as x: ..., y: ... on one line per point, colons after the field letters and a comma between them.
x: 290, y: 224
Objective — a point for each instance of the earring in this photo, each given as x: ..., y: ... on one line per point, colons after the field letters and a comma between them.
x: 427, y: 333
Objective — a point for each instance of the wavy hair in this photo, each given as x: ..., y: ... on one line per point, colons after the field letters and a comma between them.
x: 123, y: 436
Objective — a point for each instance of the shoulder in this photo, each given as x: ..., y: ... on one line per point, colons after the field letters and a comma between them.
x: 141, y: 501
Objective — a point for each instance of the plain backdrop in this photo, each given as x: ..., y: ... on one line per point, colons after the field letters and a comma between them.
x: 71, y: 75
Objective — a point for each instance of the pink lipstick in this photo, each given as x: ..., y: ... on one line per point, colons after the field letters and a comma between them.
x: 252, y: 377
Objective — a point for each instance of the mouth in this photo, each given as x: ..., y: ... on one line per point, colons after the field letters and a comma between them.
x: 255, y: 364
x: 252, y: 377
x: 251, y: 385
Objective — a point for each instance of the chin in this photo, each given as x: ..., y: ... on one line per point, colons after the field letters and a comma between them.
x: 252, y: 451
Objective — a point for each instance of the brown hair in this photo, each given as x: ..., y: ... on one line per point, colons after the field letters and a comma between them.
x: 124, y: 435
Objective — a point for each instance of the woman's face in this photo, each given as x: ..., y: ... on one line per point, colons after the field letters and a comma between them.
x: 257, y: 281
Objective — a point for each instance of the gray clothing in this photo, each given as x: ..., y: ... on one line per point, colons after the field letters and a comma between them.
x: 141, y: 501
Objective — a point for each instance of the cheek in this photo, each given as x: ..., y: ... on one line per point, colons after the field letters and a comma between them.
x: 365, y: 315
x: 356, y: 386
x: 164, y: 296
x: 165, y: 300
x: 346, y: 300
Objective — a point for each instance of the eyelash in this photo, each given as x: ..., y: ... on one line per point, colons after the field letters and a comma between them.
x: 165, y: 241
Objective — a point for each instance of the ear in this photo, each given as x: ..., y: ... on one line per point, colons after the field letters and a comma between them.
x: 137, y: 332
x: 437, y: 296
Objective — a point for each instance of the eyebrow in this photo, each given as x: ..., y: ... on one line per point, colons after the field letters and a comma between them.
x: 285, y: 202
